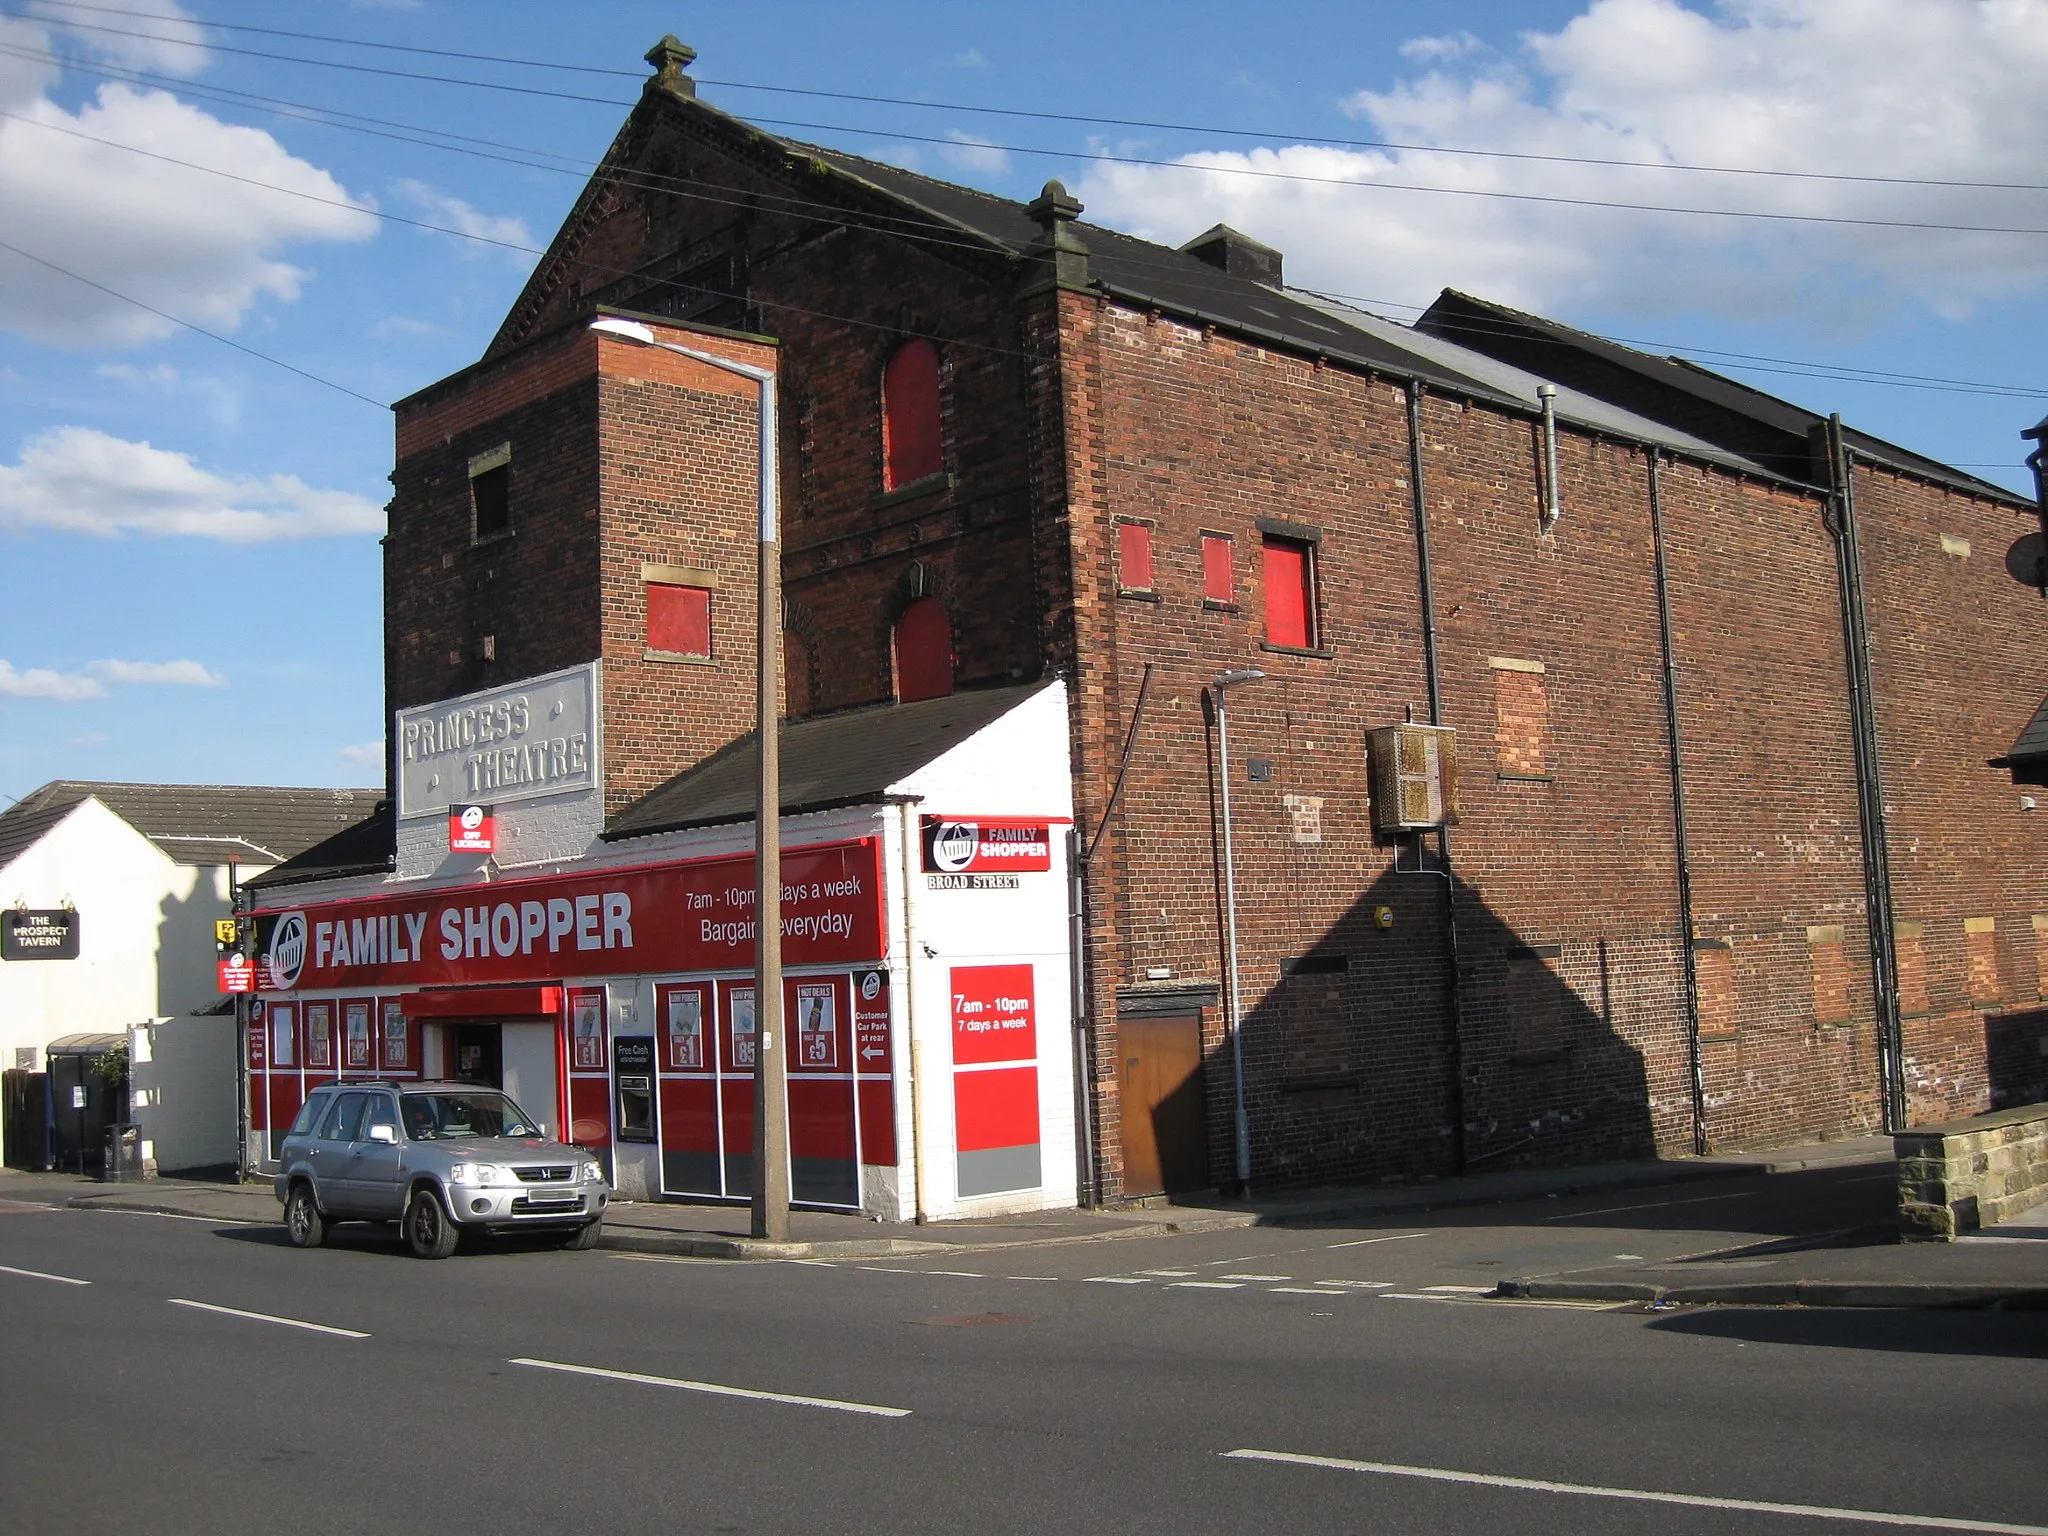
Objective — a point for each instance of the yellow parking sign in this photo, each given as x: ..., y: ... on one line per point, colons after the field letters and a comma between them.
x: 224, y: 930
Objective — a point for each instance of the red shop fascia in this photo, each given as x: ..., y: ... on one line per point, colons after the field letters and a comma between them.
x: 348, y: 987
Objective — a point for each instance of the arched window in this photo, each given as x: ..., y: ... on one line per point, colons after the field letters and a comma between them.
x: 910, y: 415
x: 924, y: 651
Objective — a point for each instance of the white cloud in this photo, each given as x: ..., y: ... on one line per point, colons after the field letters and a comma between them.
x: 391, y: 327
x: 972, y: 154
x: 179, y: 674
x: 971, y: 59
x: 1892, y: 88
x: 457, y: 214
x: 1441, y: 50
x: 89, y: 739
x: 369, y: 754
x: 202, y: 247
x: 42, y: 683
x: 175, y: 44
x: 79, y: 480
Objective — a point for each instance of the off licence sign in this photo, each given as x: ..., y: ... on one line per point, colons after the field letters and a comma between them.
x: 962, y: 845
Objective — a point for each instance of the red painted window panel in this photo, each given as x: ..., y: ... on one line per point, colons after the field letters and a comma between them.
x: 678, y: 619
x: 1290, y: 594
x: 1133, y: 557
x: 1219, y: 574
x: 924, y: 651
x: 910, y: 414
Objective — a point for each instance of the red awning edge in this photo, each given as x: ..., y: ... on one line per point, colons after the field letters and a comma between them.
x: 483, y: 1003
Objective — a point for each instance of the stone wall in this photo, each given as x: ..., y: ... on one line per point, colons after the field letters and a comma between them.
x: 1967, y: 1174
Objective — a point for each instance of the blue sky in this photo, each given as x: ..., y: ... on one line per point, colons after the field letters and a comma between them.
x: 189, y: 568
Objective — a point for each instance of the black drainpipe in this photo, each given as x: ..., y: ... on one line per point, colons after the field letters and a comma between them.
x: 1877, y: 873
x: 1454, y: 1045
x: 1685, y: 924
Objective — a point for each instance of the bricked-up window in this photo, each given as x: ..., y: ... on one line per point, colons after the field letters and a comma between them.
x: 924, y: 651
x: 1827, y: 959
x: 490, y: 493
x: 1980, y: 942
x: 1521, y: 718
x: 1134, y: 557
x: 910, y: 414
x: 1910, y: 957
x: 1219, y: 570
x: 1290, y: 592
x: 1536, y: 1011
x: 1713, y: 969
x: 678, y: 619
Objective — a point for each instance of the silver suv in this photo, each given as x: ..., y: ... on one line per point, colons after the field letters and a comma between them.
x: 445, y: 1158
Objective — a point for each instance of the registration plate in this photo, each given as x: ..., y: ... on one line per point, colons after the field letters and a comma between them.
x: 551, y: 1197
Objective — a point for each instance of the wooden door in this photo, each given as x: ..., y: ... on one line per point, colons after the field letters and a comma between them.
x: 1159, y: 1076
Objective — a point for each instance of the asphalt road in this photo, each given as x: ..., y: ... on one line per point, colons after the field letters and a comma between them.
x: 1097, y: 1386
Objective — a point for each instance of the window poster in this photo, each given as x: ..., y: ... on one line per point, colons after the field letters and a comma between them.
x: 816, y: 1039
x: 319, y: 1039
x: 686, y: 1028
x: 743, y: 1027
x: 397, y: 1037
x: 282, y: 1022
x: 355, y: 1019
x: 587, y: 1029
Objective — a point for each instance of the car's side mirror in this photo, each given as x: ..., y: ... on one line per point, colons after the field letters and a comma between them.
x: 388, y: 1134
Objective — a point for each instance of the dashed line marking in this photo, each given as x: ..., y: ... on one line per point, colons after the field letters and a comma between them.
x: 1460, y: 1290
x: 1204, y: 1285
x: 715, y: 1389
x: 1300, y: 1290
x: 267, y: 1317
x: 957, y: 1274
x: 1362, y: 1241
x: 37, y: 1274
x: 1258, y: 1277
x: 1653, y: 1205
x: 1169, y: 1274
x: 1116, y: 1280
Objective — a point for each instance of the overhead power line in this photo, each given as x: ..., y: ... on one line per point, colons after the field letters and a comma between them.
x: 1026, y: 114
x: 162, y: 314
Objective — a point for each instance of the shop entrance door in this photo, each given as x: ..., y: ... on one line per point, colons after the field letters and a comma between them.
x: 477, y: 1054
x: 1159, y: 1078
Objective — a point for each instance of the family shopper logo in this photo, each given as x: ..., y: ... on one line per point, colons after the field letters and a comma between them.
x: 954, y: 844
x: 287, y: 954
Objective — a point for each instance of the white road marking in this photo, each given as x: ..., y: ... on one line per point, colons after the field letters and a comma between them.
x: 1204, y: 1285
x: 1116, y: 1280
x: 1300, y: 1290
x: 715, y: 1390
x: 1169, y: 1273
x: 1054, y: 1279
x: 1359, y: 1285
x: 957, y: 1274
x: 663, y: 1258
x: 814, y: 1263
x: 1654, y: 1205
x: 1643, y: 1495
x: 265, y: 1317
x: 37, y: 1274
x: 1362, y: 1241
x: 1462, y: 1290
x: 1258, y: 1277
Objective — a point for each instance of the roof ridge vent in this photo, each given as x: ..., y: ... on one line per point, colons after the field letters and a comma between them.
x: 1233, y: 251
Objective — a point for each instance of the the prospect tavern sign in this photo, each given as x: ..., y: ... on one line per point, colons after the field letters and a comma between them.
x: 38, y: 935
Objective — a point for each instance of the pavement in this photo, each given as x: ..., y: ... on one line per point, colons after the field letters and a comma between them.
x: 1837, y: 1250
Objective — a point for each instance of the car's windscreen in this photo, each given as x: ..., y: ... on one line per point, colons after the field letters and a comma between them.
x: 457, y: 1116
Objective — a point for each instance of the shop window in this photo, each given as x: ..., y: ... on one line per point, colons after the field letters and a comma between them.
x: 1290, y: 593
x: 1219, y: 571
x: 1521, y: 719
x: 1828, y: 962
x: 490, y: 493
x: 678, y: 619
x: 924, y: 651
x: 910, y: 415
x: 1134, y: 559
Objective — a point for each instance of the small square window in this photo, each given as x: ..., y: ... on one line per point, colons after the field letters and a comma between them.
x: 490, y: 493
x: 678, y: 619
x: 1134, y: 557
x: 1290, y: 593
x: 1219, y: 570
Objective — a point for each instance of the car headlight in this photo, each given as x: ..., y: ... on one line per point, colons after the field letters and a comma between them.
x: 461, y: 1173
x: 592, y: 1174
x: 484, y: 1174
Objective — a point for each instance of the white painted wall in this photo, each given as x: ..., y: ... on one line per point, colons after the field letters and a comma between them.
x: 529, y: 1064
x: 181, y: 1078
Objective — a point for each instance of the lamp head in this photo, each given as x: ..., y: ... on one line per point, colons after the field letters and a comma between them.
x: 625, y: 330
x: 1233, y: 678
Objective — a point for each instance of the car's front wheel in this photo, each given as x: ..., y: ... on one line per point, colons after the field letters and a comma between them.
x: 428, y: 1231
x: 584, y: 1237
x: 303, y: 1222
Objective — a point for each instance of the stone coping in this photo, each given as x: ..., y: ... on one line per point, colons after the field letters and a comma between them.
x: 1998, y: 1119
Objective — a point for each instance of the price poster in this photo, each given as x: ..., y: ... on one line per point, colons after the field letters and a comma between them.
x: 356, y: 1021
x: 317, y: 1036
x: 397, y: 1041
x: 686, y: 1028
x: 588, y: 1031
x: 816, y: 1039
x: 742, y: 1000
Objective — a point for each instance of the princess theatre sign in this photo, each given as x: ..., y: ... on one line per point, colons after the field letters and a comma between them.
x: 527, y: 739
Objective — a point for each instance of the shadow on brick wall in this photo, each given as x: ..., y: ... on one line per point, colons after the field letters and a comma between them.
x: 2016, y: 1057
x: 1347, y: 1055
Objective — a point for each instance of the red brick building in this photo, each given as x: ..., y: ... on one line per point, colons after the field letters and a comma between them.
x: 1733, y: 866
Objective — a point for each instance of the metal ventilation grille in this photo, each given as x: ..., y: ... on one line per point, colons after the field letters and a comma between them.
x: 1414, y: 771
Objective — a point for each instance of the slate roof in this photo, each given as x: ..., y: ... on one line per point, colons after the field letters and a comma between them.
x: 852, y: 758
x: 362, y: 847
x: 200, y: 824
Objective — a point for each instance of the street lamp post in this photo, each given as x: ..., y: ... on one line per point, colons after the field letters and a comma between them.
x: 1224, y: 683
x: 771, y: 1063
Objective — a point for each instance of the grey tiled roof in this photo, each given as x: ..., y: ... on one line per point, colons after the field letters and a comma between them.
x: 828, y: 760
x: 196, y: 823
x: 362, y: 847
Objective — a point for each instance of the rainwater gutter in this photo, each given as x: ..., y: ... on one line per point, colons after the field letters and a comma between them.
x: 1684, y: 852
x: 1454, y: 1043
